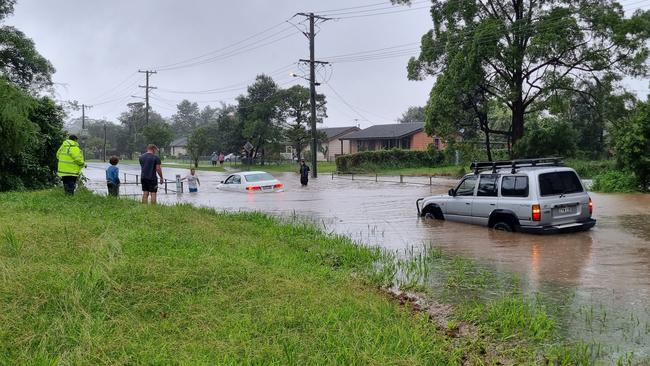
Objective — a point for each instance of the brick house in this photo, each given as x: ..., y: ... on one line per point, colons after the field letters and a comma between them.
x: 408, y: 136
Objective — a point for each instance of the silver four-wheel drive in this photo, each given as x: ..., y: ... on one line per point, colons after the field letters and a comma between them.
x: 532, y: 195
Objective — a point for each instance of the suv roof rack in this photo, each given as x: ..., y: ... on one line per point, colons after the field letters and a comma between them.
x: 514, y: 164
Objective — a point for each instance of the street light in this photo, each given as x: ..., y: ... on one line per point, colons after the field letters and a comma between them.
x: 302, y: 77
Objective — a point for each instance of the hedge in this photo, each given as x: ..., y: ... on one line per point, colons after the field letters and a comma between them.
x: 367, y: 161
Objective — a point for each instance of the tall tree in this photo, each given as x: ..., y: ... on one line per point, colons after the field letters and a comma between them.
x: 528, y: 48
x: 187, y: 118
x: 158, y: 133
x: 412, y: 114
x: 592, y: 109
x: 199, y: 143
x: 20, y: 62
x: 296, y: 113
x: 133, y: 122
x: 260, y: 111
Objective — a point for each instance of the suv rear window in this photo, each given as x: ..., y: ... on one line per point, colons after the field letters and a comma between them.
x: 514, y: 186
x: 551, y: 184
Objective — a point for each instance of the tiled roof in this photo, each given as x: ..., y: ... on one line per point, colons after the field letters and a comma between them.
x: 332, y: 132
x: 391, y: 131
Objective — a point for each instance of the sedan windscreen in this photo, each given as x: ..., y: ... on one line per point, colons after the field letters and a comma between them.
x: 258, y: 177
x: 557, y: 183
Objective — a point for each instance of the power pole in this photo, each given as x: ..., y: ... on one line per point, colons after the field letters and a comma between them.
x: 146, y: 93
x: 83, y: 116
x: 104, y: 141
x: 312, y: 87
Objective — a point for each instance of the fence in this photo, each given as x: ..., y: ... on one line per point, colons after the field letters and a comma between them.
x: 165, y: 185
x: 422, y: 180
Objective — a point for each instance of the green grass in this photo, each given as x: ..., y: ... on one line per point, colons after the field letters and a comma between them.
x: 93, y: 280
x: 442, y: 171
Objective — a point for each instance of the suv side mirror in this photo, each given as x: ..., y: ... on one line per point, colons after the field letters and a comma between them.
x: 452, y: 192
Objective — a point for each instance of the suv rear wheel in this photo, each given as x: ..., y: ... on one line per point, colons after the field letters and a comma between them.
x: 502, y: 226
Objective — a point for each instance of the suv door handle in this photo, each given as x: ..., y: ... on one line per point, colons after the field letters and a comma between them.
x: 468, y: 203
x: 493, y: 204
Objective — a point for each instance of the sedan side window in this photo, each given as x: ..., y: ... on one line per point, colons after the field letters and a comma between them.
x: 466, y: 187
x: 487, y: 186
x: 233, y: 179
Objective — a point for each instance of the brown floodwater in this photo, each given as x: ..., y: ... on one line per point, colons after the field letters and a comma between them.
x: 606, y: 268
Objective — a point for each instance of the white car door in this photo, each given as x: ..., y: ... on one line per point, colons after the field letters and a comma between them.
x: 232, y: 183
x: 486, y: 198
x: 459, y: 207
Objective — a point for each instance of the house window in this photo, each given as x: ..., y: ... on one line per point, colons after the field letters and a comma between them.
x: 406, y: 143
x: 436, y: 143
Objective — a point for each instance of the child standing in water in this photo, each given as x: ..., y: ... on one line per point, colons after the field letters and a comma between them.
x: 193, y: 181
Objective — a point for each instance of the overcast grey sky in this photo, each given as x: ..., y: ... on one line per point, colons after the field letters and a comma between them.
x: 97, y: 47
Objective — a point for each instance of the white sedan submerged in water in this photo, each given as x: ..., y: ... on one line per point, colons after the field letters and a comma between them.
x: 251, y: 182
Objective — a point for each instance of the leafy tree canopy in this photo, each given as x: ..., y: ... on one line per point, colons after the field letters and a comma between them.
x: 20, y: 63
x: 412, y: 114
x: 187, y: 118
x: 522, y: 50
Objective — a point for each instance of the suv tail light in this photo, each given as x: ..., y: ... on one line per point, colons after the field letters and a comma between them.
x: 537, y: 213
x: 591, y: 207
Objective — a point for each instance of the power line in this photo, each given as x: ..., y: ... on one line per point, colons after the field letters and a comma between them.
x: 370, y: 11
x: 222, y: 48
x: 281, y: 35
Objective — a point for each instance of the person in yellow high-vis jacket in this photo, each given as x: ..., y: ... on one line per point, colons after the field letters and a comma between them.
x: 71, y: 161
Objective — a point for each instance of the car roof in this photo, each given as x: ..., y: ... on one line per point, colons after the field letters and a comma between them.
x: 528, y: 169
x: 253, y: 172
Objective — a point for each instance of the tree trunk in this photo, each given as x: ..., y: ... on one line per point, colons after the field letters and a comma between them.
x: 488, y: 151
x: 517, y: 120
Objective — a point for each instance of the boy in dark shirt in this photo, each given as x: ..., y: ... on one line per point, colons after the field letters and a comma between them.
x: 150, y: 166
x: 113, y: 177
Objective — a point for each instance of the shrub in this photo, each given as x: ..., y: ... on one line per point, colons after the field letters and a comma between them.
x: 588, y: 169
x: 632, y: 142
x: 615, y: 181
x: 388, y: 159
x: 547, y: 137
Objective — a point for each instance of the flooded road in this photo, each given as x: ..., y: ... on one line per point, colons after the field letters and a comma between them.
x: 607, y: 267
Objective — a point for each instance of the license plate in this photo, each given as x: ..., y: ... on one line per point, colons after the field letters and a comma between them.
x: 266, y: 188
x: 565, y: 210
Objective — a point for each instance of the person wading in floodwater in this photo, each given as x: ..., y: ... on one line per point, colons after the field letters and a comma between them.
x: 304, y: 173
x: 150, y: 165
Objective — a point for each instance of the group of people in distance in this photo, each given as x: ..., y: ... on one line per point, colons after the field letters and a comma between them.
x: 220, y: 158
x: 71, y: 162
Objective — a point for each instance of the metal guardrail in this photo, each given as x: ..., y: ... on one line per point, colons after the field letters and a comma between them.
x: 166, y: 183
x: 376, y: 178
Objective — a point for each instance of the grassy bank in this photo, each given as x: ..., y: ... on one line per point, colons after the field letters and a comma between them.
x: 89, y: 280
x: 454, y: 171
